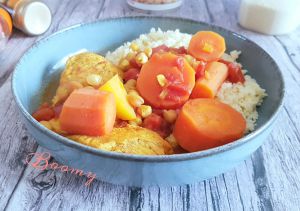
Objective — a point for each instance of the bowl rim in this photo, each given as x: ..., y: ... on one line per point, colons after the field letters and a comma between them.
x: 146, y: 158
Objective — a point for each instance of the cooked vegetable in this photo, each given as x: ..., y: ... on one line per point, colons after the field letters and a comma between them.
x: 170, y: 115
x: 200, y: 70
x: 207, y: 123
x: 207, y: 46
x: 156, y: 123
x: 235, y: 74
x: 180, y: 80
x: 132, y: 73
x: 134, y: 99
x: 164, y: 48
x: 207, y: 86
x: 44, y: 113
x: 141, y: 58
x: 88, y: 111
x: 115, y: 86
x: 144, y: 110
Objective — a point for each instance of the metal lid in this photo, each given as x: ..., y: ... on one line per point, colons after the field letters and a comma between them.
x: 32, y: 17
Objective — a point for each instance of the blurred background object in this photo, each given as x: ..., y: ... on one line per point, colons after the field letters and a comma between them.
x: 5, y: 27
x: 155, y: 5
x: 33, y: 17
x: 270, y: 16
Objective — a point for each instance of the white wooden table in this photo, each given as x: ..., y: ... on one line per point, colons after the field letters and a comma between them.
x: 269, y: 180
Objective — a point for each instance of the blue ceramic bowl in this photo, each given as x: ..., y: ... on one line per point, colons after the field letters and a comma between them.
x: 41, y: 62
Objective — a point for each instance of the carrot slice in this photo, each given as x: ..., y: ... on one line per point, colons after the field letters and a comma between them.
x: 88, y: 112
x: 207, y: 86
x: 166, y: 81
x: 207, y: 46
x: 207, y: 123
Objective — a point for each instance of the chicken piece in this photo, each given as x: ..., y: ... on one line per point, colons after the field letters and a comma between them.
x: 77, y: 70
x: 130, y: 140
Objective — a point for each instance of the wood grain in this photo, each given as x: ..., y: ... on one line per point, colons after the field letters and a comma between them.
x: 268, y: 180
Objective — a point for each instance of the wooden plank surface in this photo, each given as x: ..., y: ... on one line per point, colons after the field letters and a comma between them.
x: 269, y: 180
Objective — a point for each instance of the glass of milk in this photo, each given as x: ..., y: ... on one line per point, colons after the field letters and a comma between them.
x: 271, y: 17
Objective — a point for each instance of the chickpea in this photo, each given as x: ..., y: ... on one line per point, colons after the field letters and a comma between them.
x: 130, y: 85
x: 141, y: 58
x: 148, y: 51
x: 170, y: 115
x: 144, y: 110
x: 135, y: 99
x: 94, y: 80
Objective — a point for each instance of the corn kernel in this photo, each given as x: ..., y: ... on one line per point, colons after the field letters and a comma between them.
x: 163, y: 94
x: 134, y: 46
x: 124, y: 64
x: 134, y: 99
x: 144, y: 110
x: 130, y: 85
x: 136, y: 122
x: 170, y: 115
x: 148, y: 51
x: 94, y: 79
x: 208, y: 48
x: 141, y: 58
x: 161, y: 79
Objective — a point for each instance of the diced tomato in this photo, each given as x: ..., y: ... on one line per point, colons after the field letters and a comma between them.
x: 200, y: 70
x: 44, y: 113
x: 175, y: 92
x: 134, y: 64
x: 132, y: 73
x: 157, y: 124
x: 160, y: 49
x: 157, y: 111
x: 164, y: 48
x: 235, y: 74
x: 180, y: 50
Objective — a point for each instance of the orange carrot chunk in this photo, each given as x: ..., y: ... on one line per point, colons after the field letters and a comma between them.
x: 166, y: 81
x: 207, y: 123
x: 207, y: 46
x: 88, y: 112
x: 207, y: 86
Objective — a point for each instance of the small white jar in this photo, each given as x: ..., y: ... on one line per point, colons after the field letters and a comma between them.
x: 271, y: 17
